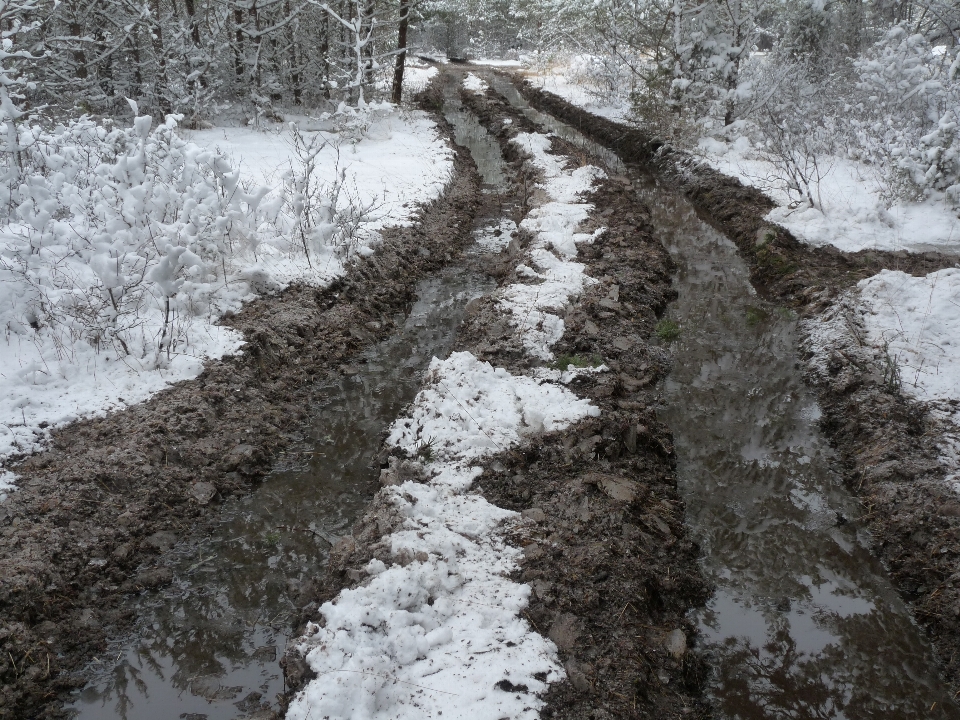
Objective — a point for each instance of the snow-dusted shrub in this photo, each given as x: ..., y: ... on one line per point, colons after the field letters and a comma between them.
x: 795, y: 122
x: 906, y: 118
x: 122, y: 237
x: 327, y: 219
x: 113, y: 234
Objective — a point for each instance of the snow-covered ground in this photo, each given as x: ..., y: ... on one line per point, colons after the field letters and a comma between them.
x: 398, y: 163
x: 571, y: 81
x: 436, y: 627
x: 52, y: 376
x: 915, y: 322
x: 851, y: 214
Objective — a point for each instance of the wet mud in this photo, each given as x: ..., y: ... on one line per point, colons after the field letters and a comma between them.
x: 885, y: 443
x: 95, y: 515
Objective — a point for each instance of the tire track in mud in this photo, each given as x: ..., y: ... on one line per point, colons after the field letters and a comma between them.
x: 887, y: 442
x: 94, y: 512
x: 613, y: 570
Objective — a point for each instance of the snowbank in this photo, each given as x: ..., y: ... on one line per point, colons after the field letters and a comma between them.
x: 572, y: 80
x: 50, y: 376
x: 397, y: 164
x: 852, y: 216
x: 918, y: 320
x: 441, y: 634
x: 909, y: 329
x: 416, y: 79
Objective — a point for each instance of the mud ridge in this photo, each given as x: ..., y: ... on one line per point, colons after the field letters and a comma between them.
x: 613, y: 569
x: 94, y: 512
x: 887, y: 443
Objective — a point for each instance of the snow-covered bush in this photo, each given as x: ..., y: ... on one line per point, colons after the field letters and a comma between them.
x: 122, y: 237
x: 906, y: 118
x: 114, y: 235
x: 328, y: 218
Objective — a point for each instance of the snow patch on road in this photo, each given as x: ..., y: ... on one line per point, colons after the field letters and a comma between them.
x: 475, y: 84
x: 534, y: 307
x: 442, y: 633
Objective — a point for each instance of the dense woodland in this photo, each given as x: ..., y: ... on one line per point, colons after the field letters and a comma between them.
x: 873, y: 79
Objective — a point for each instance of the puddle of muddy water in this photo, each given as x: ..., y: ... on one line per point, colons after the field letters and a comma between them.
x: 207, y: 646
x: 805, y: 622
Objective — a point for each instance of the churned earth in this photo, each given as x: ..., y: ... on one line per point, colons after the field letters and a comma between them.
x: 612, y: 568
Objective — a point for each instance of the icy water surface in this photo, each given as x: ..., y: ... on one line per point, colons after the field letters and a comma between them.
x: 206, y: 647
x: 804, y: 622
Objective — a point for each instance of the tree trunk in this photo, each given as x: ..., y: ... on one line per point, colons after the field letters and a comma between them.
x: 162, y: 82
x: 79, y: 57
x: 238, y: 59
x: 402, y: 54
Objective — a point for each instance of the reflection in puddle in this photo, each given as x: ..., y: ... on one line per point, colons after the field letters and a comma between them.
x: 206, y: 647
x: 804, y: 622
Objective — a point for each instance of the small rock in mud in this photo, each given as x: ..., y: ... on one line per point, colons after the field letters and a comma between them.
x: 576, y: 675
x: 616, y: 488
x: 399, y: 471
x: 535, y: 514
x: 161, y: 541
x: 202, y: 492
x: 676, y: 643
x: 565, y: 631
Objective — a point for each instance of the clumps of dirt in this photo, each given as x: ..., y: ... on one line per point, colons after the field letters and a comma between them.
x: 886, y: 442
x: 93, y: 513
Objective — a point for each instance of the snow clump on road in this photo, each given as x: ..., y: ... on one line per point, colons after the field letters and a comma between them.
x: 442, y: 633
x: 475, y: 84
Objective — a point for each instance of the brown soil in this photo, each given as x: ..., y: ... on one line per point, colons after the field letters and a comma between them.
x: 613, y: 569
x: 886, y: 442
x: 94, y: 512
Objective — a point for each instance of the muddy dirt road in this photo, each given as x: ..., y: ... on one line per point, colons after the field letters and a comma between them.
x: 158, y: 563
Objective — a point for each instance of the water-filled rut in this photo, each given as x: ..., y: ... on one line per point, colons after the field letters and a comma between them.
x: 208, y: 645
x: 804, y: 621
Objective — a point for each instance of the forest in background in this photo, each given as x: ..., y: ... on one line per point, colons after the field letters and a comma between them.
x: 877, y: 81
